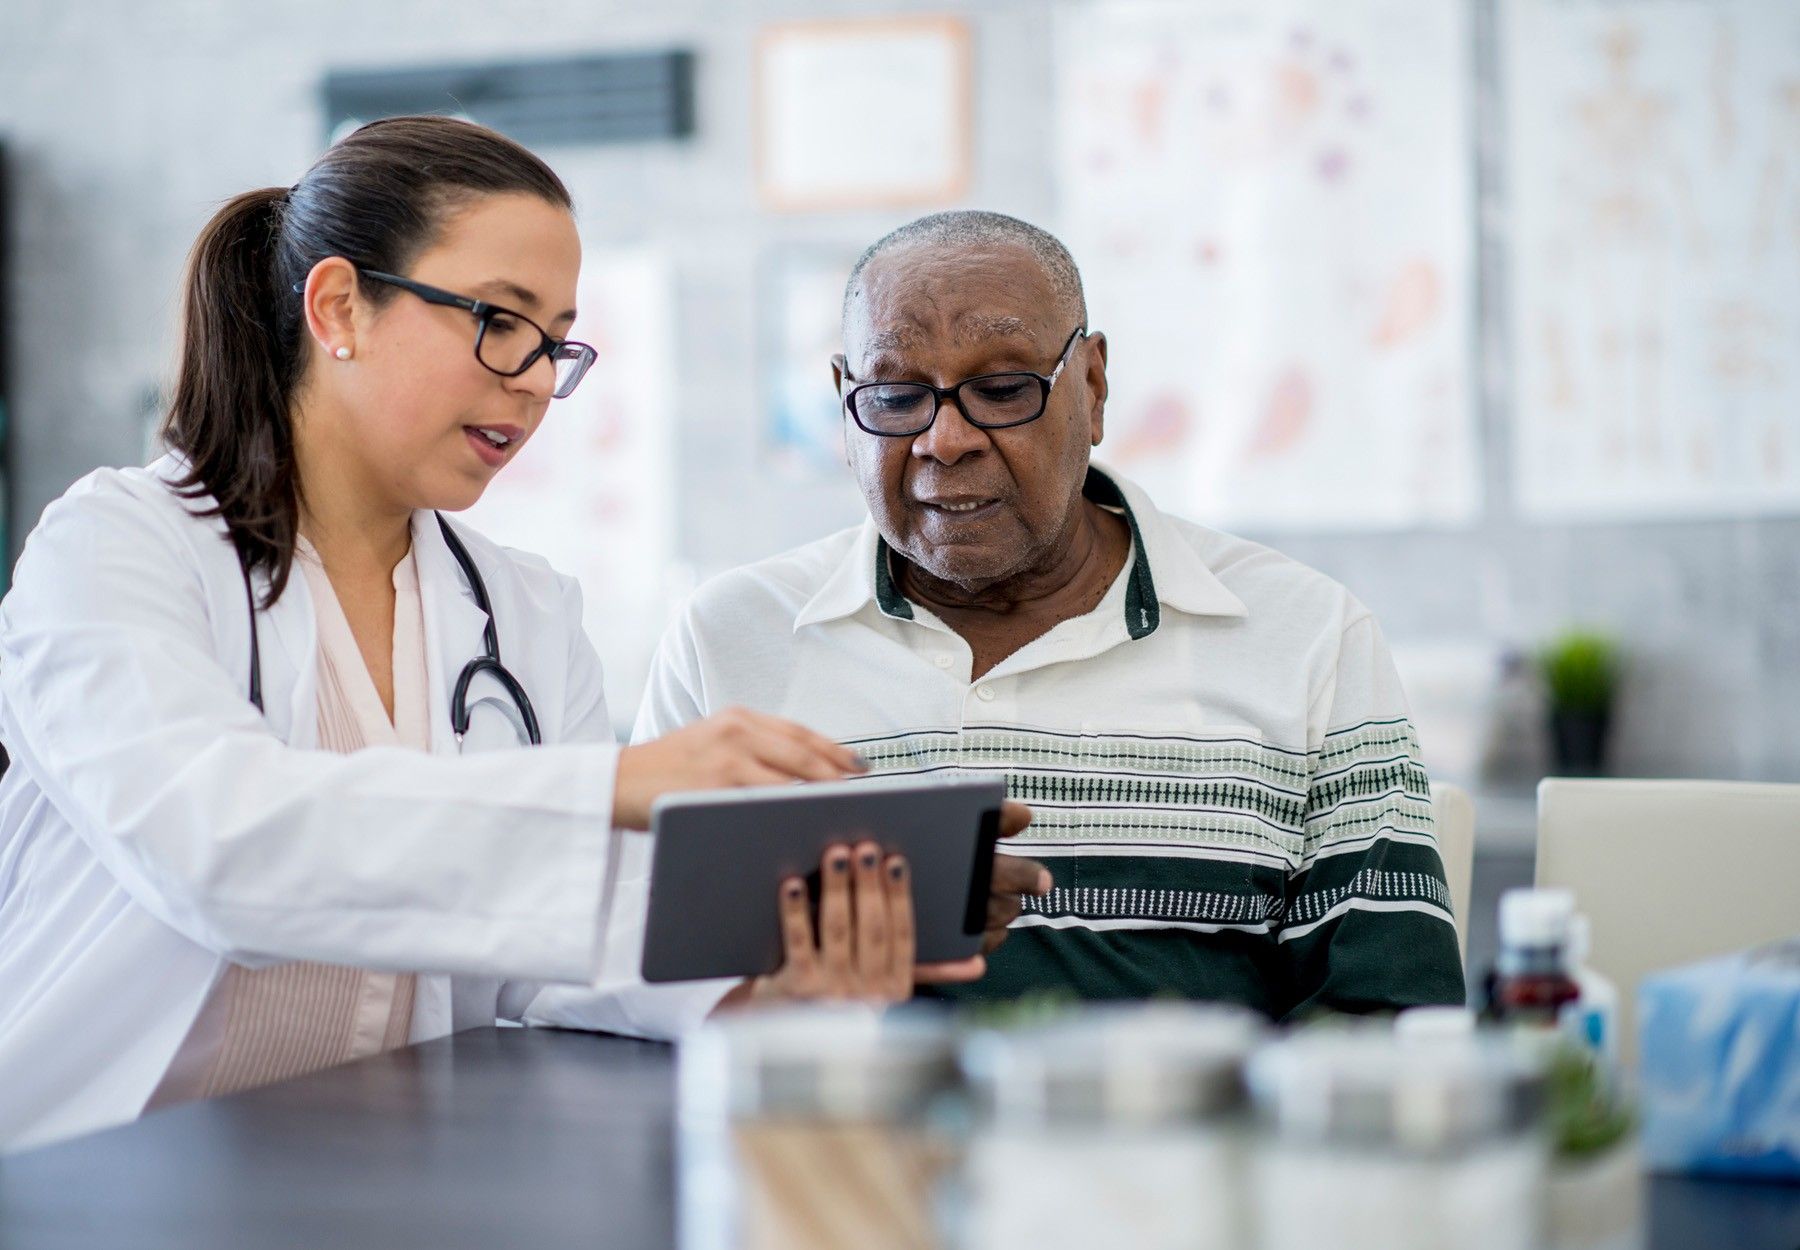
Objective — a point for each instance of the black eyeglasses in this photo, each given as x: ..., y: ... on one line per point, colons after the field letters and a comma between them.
x: 503, y: 340
x: 992, y: 401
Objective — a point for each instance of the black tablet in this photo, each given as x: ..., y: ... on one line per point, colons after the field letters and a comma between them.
x: 719, y: 857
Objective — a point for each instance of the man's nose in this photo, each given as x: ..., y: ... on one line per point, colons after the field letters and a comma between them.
x: 950, y: 437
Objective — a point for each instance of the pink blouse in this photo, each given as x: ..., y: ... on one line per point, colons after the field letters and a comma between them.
x: 268, y: 1024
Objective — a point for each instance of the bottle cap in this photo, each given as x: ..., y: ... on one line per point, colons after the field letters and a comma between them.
x: 1536, y: 917
x: 839, y: 1062
x: 1365, y: 1087
x: 1143, y: 1065
x: 1434, y: 1022
x: 1581, y: 938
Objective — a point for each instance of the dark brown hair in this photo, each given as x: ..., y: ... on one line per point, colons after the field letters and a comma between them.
x: 378, y: 198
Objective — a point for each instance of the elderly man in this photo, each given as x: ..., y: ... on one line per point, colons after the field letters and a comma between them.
x: 1226, y: 786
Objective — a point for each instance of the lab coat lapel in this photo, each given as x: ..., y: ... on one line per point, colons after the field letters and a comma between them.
x: 453, y: 623
x: 453, y: 629
x: 286, y: 632
x: 288, y: 638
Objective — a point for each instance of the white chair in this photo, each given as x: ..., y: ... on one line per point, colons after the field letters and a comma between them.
x: 1453, y: 814
x: 1671, y: 871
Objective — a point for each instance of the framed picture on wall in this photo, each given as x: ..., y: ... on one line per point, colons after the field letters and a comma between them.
x: 869, y: 113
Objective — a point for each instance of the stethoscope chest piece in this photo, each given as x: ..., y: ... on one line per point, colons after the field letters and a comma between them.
x: 522, y: 715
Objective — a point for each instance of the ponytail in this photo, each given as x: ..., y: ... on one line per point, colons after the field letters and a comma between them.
x: 378, y: 198
x: 229, y: 416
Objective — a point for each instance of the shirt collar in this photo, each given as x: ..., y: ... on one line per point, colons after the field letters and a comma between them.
x: 1184, y: 581
x: 1166, y: 570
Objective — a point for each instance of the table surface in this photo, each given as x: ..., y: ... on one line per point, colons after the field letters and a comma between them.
x: 494, y: 1137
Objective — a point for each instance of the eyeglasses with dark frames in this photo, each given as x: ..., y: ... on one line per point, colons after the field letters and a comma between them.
x: 504, y: 343
x: 989, y: 401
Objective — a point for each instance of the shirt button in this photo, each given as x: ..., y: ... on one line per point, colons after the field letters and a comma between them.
x: 986, y: 693
x: 944, y: 661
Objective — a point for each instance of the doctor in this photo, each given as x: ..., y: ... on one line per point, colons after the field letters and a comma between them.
x: 266, y: 811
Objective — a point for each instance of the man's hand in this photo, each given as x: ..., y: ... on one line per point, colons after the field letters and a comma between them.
x: 1014, y: 876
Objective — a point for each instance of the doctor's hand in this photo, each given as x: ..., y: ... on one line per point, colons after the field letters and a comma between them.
x: 735, y: 747
x: 864, y: 947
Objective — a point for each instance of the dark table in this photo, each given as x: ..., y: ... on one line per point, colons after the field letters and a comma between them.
x: 495, y: 1137
x: 490, y: 1138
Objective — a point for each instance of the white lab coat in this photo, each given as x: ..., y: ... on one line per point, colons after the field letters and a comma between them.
x: 154, y: 827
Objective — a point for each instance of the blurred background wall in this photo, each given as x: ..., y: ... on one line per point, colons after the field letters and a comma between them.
x: 126, y: 124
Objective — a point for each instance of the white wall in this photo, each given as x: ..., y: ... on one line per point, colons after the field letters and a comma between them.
x: 129, y: 122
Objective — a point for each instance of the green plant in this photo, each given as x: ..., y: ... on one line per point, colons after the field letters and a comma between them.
x: 1585, y: 1114
x: 1581, y: 671
x: 1028, y: 1010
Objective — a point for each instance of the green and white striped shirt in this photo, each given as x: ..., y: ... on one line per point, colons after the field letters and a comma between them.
x: 1226, y: 785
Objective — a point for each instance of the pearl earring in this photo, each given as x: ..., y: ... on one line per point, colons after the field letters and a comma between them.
x: 342, y: 353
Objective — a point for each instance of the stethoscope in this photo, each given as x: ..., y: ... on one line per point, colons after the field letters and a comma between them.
x: 522, y: 714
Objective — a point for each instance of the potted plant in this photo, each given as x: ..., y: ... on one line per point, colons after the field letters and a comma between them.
x: 1581, y: 675
x: 1594, y: 1189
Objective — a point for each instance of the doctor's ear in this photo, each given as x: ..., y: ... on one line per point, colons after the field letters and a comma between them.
x: 330, y: 298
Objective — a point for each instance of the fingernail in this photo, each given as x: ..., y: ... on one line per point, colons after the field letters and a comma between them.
x: 1044, y: 882
x: 868, y: 859
x: 896, y: 870
x: 840, y: 863
x: 857, y: 762
x: 791, y: 889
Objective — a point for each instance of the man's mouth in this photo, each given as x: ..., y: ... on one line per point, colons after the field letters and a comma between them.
x: 960, y: 505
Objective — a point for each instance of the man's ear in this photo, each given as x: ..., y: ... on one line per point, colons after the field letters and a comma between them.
x: 839, y: 367
x: 1095, y: 378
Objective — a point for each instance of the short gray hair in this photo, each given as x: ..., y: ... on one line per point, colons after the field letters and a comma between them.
x: 973, y: 227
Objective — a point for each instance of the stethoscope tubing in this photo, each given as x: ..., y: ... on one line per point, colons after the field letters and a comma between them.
x: 487, y: 662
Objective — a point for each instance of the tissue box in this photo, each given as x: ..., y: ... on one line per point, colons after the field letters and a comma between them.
x: 1720, y: 1052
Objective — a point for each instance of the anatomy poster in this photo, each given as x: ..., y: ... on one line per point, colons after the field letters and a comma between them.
x: 1271, y: 203
x: 1654, y: 175
x: 593, y: 491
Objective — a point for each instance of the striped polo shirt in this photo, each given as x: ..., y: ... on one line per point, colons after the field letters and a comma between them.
x: 1226, y: 785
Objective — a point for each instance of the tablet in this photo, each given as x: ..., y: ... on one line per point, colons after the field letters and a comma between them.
x: 719, y: 858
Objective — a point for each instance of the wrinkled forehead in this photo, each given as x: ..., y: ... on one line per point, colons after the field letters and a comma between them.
x: 923, y: 298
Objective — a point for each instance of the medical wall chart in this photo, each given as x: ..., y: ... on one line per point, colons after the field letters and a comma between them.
x: 1272, y: 205
x: 1654, y: 172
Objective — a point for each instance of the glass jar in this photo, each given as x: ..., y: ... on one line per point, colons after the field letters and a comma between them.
x: 1112, y: 1127
x: 1377, y: 1142
x: 807, y: 1128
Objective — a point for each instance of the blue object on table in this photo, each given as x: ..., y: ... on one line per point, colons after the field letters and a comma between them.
x: 1720, y: 1052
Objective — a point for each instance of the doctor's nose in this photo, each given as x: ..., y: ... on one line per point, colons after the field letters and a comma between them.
x: 538, y: 381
